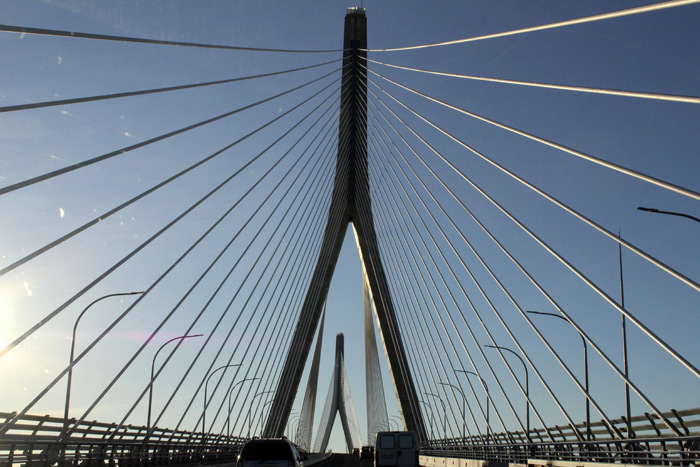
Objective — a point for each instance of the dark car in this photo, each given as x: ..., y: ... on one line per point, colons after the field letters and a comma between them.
x: 367, y: 452
x: 270, y: 453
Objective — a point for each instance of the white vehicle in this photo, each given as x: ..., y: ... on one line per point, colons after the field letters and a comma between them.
x: 396, y: 448
x: 270, y: 453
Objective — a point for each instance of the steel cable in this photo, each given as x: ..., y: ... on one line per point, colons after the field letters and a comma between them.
x: 530, y: 403
x: 143, y: 245
x: 473, y: 418
x: 225, y: 279
x: 558, y: 24
x: 81, y: 100
x: 578, y: 274
x: 560, y: 87
x: 435, y: 383
x: 118, y: 152
x: 390, y: 196
x: 257, y: 305
x: 295, y: 279
x: 106, y: 37
x: 334, y: 212
x: 572, y: 268
x: 90, y: 346
x: 495, y: 278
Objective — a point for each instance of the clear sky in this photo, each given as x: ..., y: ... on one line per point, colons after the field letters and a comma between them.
x: 654, y: 52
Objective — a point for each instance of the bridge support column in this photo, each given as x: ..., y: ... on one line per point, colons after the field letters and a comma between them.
x: 350, y: 203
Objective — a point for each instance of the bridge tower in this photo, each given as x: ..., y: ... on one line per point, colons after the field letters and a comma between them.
x: 351, y: 203
x: 339, y: 401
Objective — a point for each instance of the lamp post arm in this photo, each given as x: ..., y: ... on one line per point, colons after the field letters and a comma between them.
x: 262, y: 410
x: 519, y: 357
x: 72, y: 348
x: 444, y: 412
x: 585, y: 362
x: 153, y: 367
x: 464, y: 400
x: 204, y: 412
x: 230, y: 393
x: 75, y: 326
x: 488, y: 398
x: 583, y: 339
x: 670, y: 213
x: 527, y: 385
x: 153, y: 363
x: 250, y: 418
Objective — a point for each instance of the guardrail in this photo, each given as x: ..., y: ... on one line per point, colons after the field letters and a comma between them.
x: 643, y: 426
x: 679, y: 451
x: 37, y: 440
x: 651, y: 442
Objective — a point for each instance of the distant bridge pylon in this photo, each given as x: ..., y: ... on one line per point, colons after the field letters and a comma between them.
x: 339, y: 401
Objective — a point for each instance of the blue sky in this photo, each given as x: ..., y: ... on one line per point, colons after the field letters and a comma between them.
x: 651, y: 52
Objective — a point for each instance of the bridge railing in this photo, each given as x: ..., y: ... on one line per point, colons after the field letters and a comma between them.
x: 37, y: 440
x: 651, y: 442
x: 678, y: 451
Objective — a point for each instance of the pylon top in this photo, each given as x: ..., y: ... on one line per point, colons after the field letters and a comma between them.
x: 356, y: 10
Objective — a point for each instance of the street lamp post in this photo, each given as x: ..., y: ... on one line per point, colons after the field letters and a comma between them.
x: 290, y: 424
x: 295, y: 432
x: 204, y: 411
x: 398, y: 420
x: 444, y: 412
x: 262, y: 410
x: 670, y: 213
x: 228, y: 421
x: 585, y: 366
x: 488, y: 399
x: 153, y: 365
x: 250, y: 419
x: 464, y: 401
x: 625, y: 361
x: 432, y: 418
x: 527, y: 387
x: 72, y: 351
x: 292, y: 416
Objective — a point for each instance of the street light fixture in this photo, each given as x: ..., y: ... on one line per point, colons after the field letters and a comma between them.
x: 432, y: 418
x: 250, y: 420
x: 72, y: 351
x: 585, y: 366
x: 444, y: 411
x: 228, y: 421
x: 488, y: 399
x: 527, y: 387
x: 295, y: 431
x: 262, y: 410
x: 670, y: 213
x: 290, y: 425
x: 204, y: 411
x: 398, y: 420
x: 464, y: 400
x: 291, y: 418
x: 153, y: 365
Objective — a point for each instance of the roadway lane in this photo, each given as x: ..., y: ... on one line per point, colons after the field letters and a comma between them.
x: 345, y: 460
x: 336, y: 460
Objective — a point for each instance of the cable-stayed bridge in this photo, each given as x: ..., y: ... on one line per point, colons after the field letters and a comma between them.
x: 162, y: 290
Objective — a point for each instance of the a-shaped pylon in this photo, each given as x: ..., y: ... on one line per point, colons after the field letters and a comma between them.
x: 339, y: 401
